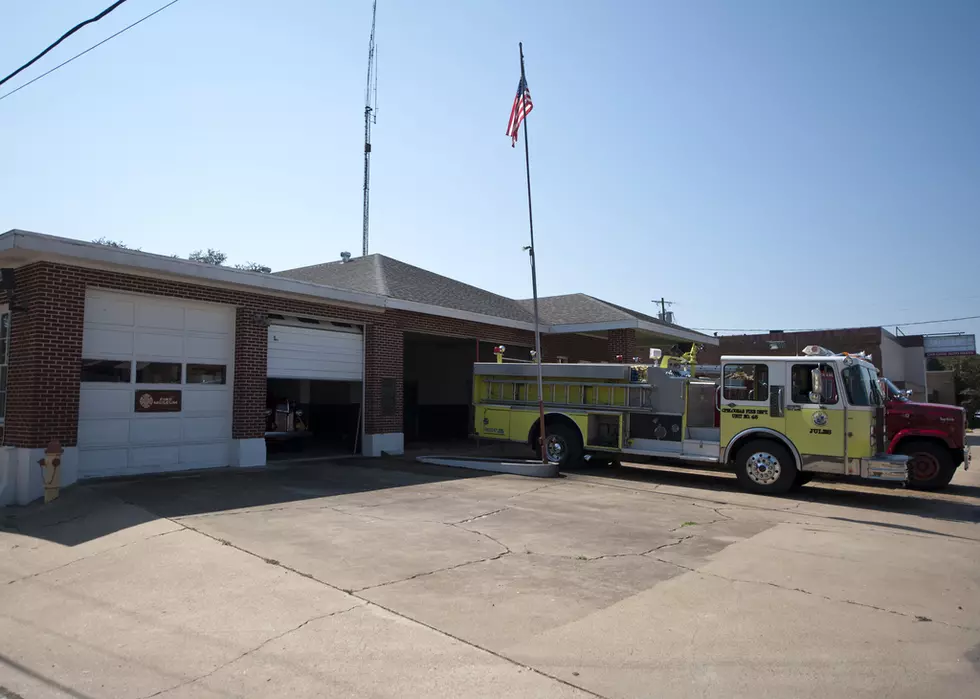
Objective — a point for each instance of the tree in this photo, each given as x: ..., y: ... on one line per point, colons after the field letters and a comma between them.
x: 966, y: 376
x: 211, y: 257
x: 109, y: 243
x: 254, y: 267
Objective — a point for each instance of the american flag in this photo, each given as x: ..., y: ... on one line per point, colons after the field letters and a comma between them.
x: 522, y: 107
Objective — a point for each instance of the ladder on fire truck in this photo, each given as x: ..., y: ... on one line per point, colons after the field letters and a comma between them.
x: 570, y: 394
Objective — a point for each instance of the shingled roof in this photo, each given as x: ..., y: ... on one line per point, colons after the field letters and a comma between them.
x: 383, y: 275
x: 582, y: 309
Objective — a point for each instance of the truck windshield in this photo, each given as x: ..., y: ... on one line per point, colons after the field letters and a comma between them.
x: 861, y: 385
x: 894, y: 392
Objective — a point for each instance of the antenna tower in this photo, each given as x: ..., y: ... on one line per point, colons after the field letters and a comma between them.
x: 370, y: 117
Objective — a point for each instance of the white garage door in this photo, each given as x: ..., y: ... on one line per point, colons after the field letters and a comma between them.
x: 157, y: 383
x: 323, y: 352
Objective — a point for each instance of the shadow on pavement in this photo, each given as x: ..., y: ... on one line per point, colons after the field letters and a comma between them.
x: 884, y: 498
x: 92, y: 510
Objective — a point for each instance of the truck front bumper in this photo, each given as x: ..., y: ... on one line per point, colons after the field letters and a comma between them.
x: 886, y: 467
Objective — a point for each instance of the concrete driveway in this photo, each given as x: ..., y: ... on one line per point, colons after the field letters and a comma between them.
x: 394, y: 579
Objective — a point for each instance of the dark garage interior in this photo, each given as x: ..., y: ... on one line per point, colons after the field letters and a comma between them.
x: 438, y: 375
x: 307, y: 417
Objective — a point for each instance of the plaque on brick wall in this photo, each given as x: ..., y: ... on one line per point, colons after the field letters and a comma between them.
x: 158, y: 401
x: 388, y: 396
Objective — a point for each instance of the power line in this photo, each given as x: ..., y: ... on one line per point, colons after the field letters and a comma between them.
x: 64, y: 36
x: 802, y: 330
x: 90, y: 48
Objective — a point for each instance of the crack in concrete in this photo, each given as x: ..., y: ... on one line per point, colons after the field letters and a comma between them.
x: 913, y: 617
x: 433, y: 572
x: 600, y: 557
x: 534, y: 490
x: 481, y: 516
x: 402, y: 615
x: 642, y: 553
x: 498, y: 542
x: 251, y: 650
x: 97, y: 553
x: 699, y: 524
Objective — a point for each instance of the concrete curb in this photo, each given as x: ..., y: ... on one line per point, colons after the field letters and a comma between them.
x: 519, y: 467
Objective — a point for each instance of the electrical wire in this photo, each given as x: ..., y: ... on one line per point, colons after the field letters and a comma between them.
x: 801, y: 330
x: 90, y: 48
x: 64, y: 36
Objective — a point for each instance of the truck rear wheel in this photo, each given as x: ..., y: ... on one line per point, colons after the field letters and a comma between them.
x: 563, y: 446
x: 765, y: 466
x: 931, y: 466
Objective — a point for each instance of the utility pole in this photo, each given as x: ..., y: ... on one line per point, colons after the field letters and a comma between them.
x: 370, y: 117
x: 663, y: 303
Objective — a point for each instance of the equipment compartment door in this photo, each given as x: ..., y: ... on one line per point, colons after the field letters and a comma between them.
x: 816, y: 428
x: 494, y: 422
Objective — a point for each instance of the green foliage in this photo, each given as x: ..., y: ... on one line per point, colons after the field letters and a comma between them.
x: 109, y: 243
x: 254, y: 267
x: 966, y: 375
x: 209, y: 257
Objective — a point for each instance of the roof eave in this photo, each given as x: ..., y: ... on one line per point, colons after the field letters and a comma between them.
x: 675, y: 332
x: 44, y: 247
x: 429, y: 309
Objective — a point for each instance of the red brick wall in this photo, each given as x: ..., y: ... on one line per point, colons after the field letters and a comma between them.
x: 251, y: 347
x: 842, y: 340
x: 575, y: 347
x: 46, y: 348
x: 43, y: 362
x: 621, y: 342
x: 384, y: 359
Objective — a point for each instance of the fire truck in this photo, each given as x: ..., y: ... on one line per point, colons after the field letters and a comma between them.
x: 776, y: 421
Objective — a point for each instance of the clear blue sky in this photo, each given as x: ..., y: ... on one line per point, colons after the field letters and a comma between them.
x: 765, y: 164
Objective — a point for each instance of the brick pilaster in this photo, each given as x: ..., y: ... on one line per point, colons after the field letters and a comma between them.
x: 621, y: 342
x: 44, y: 361
x: 251, y: 348
x: 384, y: 352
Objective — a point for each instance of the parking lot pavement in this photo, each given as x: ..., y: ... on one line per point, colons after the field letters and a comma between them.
x: 390, y: 578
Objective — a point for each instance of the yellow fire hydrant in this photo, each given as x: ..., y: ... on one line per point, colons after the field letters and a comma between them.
x: 51, y: 470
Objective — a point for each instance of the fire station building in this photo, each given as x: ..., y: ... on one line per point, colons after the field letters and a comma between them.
x: 140, y: 363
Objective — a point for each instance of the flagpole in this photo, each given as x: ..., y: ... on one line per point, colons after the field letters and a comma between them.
x: 534, y: 278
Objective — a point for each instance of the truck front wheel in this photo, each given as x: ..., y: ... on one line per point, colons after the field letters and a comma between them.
x: 563, y: 446
x: 765, y: 466
x: 931, y: 466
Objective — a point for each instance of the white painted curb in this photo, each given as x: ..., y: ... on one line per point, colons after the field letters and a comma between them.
x: 518, y: 467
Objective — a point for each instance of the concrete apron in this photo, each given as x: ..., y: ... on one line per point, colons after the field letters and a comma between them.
x: 518, y: 467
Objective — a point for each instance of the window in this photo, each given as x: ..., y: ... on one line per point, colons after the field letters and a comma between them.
x: 800, y: 384
x: 4, y: 351
x: 861, y: 386
x: 157, y: 372
x: 206, y: 373
x: 106, y: 370
x: 746, y: 382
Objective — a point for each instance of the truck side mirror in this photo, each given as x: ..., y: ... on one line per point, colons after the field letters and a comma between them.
x: 815, y: 380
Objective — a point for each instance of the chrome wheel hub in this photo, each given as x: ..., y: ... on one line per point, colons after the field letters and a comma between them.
x: 555, y: 448
x: 763, y: 468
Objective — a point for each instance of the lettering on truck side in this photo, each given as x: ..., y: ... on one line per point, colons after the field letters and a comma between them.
x: 745, y: 413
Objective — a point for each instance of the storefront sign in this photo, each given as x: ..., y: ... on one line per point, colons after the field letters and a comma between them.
x: 950, y: 345
x: 158, y: 401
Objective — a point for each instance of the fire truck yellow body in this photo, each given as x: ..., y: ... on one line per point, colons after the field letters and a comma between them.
x: 774, y: 420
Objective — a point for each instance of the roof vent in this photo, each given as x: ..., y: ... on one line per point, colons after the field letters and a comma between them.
x: 345, y: 256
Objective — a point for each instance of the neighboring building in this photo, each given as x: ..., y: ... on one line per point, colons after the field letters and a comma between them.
x: 141, y: 363
x: 902, y: 358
